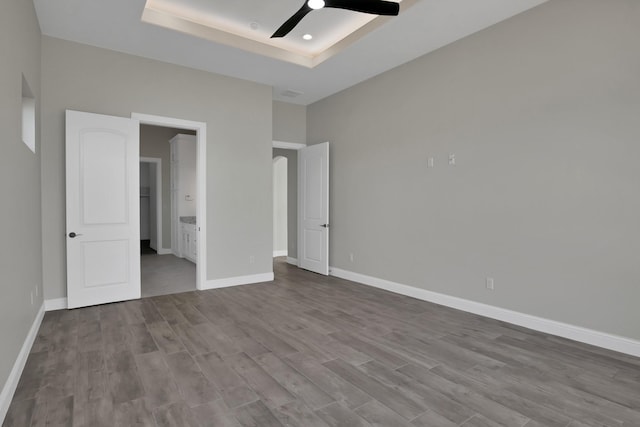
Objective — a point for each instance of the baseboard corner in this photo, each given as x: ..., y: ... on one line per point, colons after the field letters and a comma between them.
x: 55, y: 304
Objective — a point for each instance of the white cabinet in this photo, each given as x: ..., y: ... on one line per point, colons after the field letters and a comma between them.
x: 189, y: 242
x: 183, y: 187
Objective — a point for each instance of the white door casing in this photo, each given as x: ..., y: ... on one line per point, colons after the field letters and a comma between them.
x: 313, y: 208
x: 103, y: 210
x: 201, y: 171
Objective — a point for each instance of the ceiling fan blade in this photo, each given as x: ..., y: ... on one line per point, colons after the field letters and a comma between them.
x: 374, y: 7
x: 292, y: 22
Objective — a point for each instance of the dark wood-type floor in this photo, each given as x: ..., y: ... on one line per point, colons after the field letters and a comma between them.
x: 312, y: 351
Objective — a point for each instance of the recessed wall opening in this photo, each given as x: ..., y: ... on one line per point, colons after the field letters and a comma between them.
x: 28, y: 116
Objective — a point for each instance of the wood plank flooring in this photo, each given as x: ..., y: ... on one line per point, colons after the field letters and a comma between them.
x: 312, y: 351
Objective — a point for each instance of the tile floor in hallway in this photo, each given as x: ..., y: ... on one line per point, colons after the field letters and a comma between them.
x: 166, y: 274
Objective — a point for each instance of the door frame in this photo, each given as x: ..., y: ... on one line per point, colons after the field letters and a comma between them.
x: 158, y: 162
x: 201, y: 181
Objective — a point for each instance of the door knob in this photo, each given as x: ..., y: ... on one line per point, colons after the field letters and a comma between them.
x: 324, y: 225
x: 72, y: 234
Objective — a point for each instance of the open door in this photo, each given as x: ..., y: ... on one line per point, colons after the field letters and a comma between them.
x: 313, y: 208
x: 103, y: 234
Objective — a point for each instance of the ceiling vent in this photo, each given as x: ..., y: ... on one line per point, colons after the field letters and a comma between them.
x: 290, y: 93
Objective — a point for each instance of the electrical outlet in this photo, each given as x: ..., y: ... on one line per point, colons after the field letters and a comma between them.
x: 351, y: 257
x: 252, y: 259
x: 452, y: 159
x: 490, y: 283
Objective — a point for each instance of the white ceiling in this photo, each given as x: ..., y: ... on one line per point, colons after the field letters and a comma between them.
x: 422, y: 28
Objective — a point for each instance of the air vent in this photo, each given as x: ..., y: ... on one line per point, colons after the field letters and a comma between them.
x: 290, y: 93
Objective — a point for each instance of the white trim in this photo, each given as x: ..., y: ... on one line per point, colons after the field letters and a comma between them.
x: 288, y: 145
x: 201, y: 185
x: 576, y: 333
x: 280, y: 253
x: 292, y: 261
x: 11, y: 384
x: 55, y: 304
x: 158, y: 162
x: 239, y: 280
x: 164, y: 251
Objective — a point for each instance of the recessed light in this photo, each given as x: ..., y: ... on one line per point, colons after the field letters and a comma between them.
x: 316, y: 4
x: 307, y: 37
x: 254, y: 26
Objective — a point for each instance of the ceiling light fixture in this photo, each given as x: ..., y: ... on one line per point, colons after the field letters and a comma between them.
x: 316, y: 4
x: 373, y: 7
x: 307, y: 37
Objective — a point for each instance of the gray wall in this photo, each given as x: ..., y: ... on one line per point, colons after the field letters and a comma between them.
x: 289, y: 122
x: 542, y: 113
x: 154, y: 142
x: 20, y: 215
x: 292, y: 199
x: 238, y: 160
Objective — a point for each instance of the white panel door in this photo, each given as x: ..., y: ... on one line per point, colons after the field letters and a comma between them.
x: 313, y: 208
x: 103, y: 210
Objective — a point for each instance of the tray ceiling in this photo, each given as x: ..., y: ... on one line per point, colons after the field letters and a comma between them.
x: 231, y: 37
x: 249, y: 26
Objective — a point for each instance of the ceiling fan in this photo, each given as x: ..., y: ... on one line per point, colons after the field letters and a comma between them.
x: 374, y: 7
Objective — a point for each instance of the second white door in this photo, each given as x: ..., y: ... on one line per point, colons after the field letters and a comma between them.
x: 313, y: 208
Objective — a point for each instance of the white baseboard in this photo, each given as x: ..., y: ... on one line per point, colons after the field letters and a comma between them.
x: 576, y: 333
x: 238, y: 280
x: 164, y: 251
x: 55, y: 304
x: 292, y: 261
x: 11, y: 384
x: 280, y: 253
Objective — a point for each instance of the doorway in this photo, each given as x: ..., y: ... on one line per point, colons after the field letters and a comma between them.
x: 307, y: 200
x: 167, y: 260
x: 289, y: 152
x: 176, y: 263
